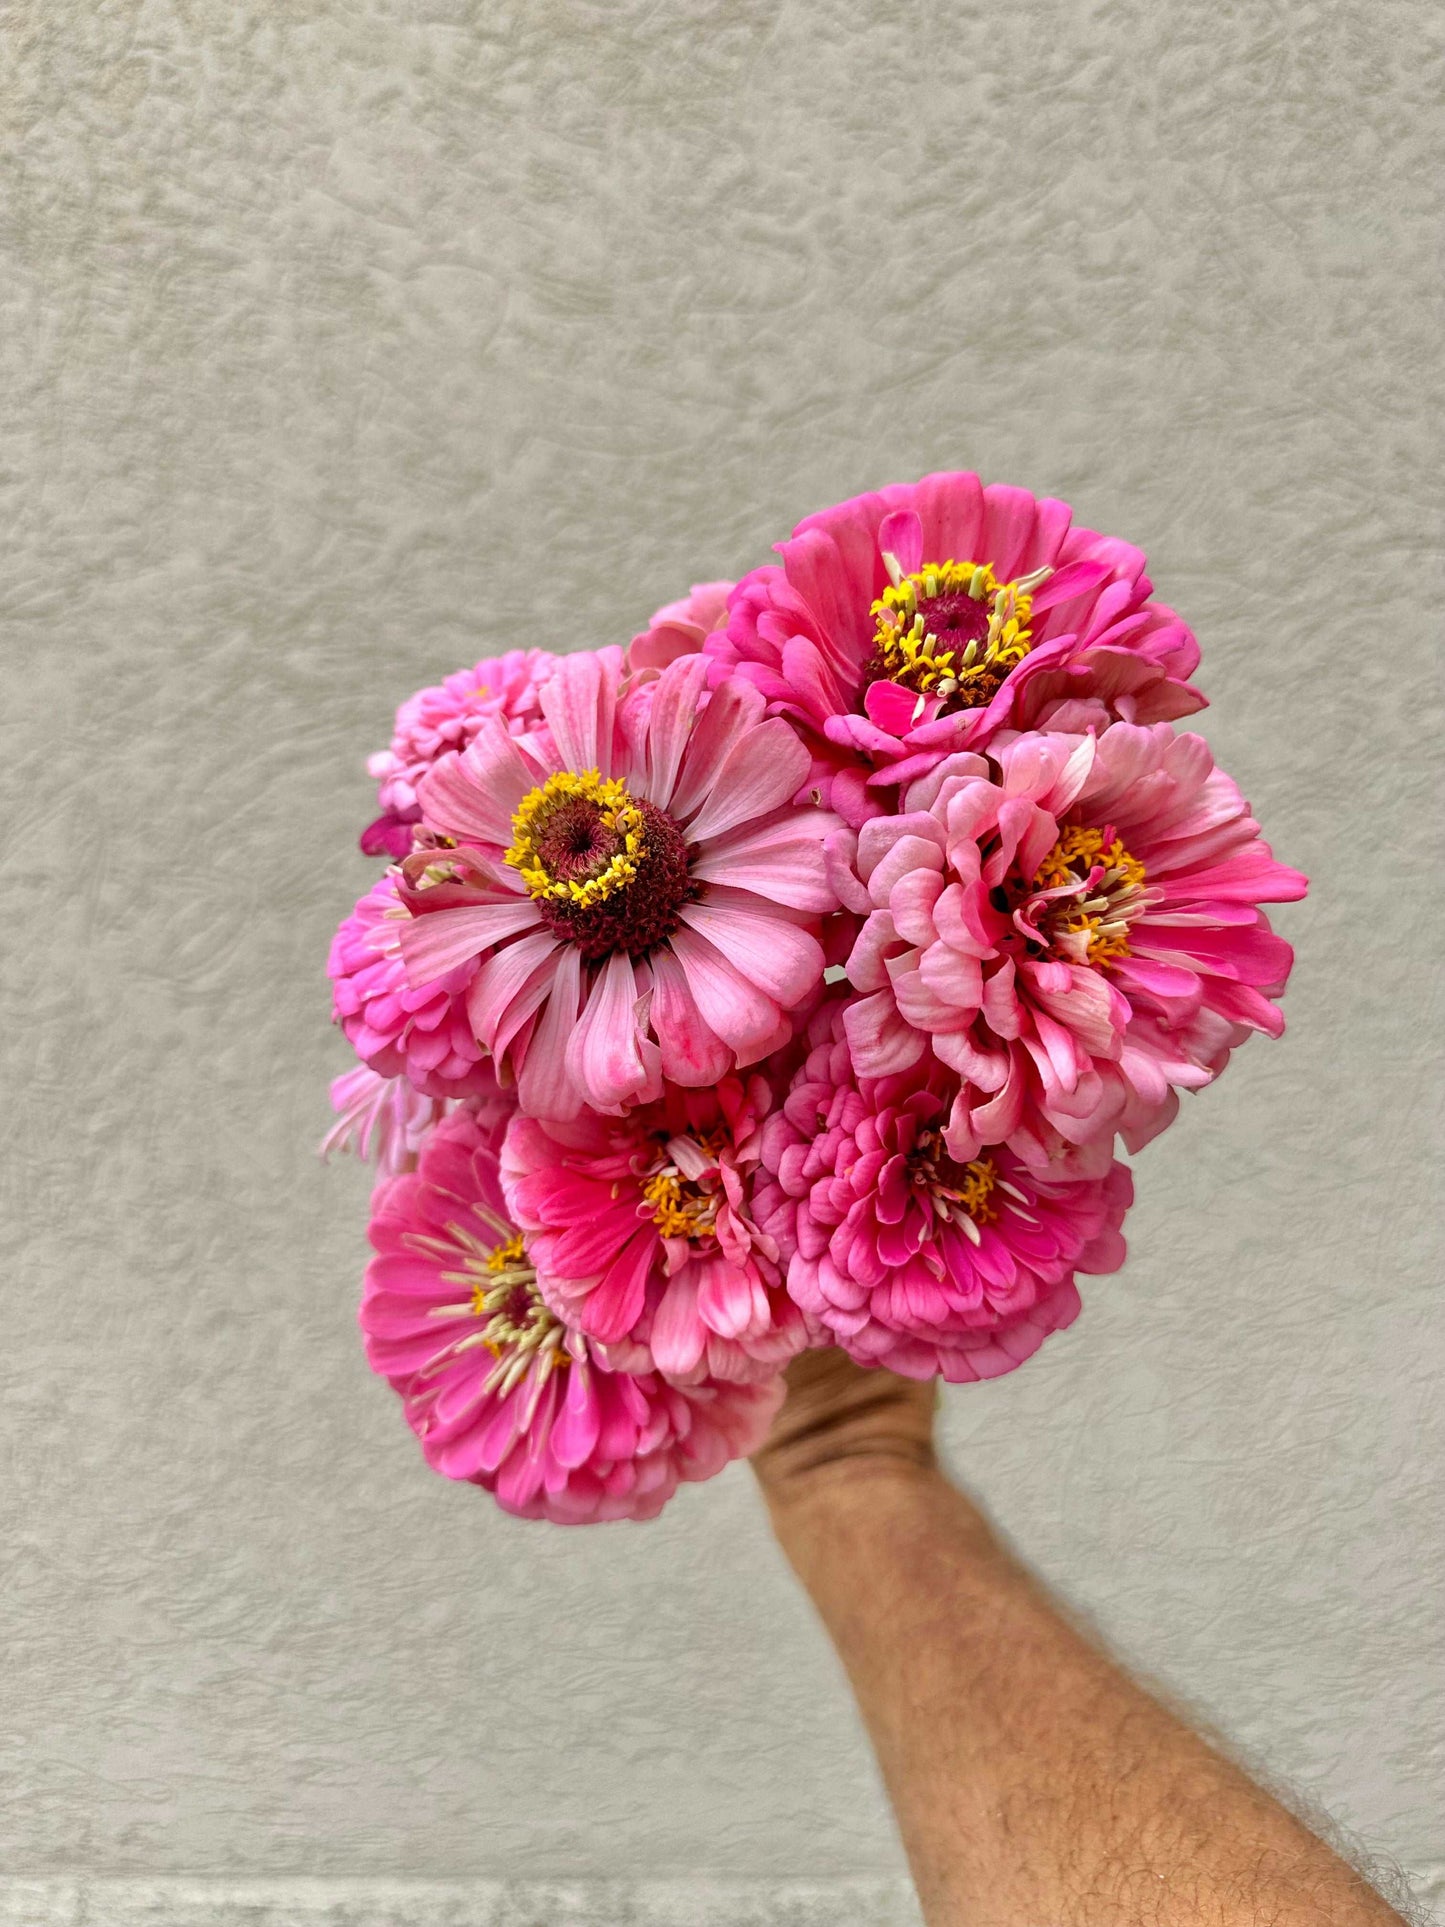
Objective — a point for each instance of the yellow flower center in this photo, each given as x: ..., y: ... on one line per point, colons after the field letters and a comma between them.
x: 508, y: 1257
x: 577, y: 839
x: 973, y: 1189
x: 962, y: 1193
x: 1096, y: 924
x: 685, y: 1207
x: 952, y: 630
x: 518, y: 1326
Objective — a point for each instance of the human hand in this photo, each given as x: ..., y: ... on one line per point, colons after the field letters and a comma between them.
x: 838, y: 1419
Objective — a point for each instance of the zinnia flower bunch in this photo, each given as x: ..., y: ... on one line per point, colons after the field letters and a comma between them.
x: 790, y: 977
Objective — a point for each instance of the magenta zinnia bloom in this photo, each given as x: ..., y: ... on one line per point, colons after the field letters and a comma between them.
x: 1077, y: 939
x: 911, y: 1258
x: 923, y: 619
x: 446, y: 716
x: 422, y: 1035
x: 638, y: 900
x: 640, y: 1230
x: 496, y: 1388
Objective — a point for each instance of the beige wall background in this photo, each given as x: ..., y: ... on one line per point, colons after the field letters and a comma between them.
x: 342, y: 344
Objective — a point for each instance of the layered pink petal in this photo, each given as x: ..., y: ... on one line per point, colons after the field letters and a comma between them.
x: 1096, y: 889
x: 913, y: 1259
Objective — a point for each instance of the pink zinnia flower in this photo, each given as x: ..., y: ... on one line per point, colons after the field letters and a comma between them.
x: 923, y: 619
x: 444, y: 717
x: 911, y: 1258
x: 638, y: 901
x: 1077, y: 939
x: 497, y: 1390
x: 680, y: 628
x: 398, y: 1031
x: 640, y: 1231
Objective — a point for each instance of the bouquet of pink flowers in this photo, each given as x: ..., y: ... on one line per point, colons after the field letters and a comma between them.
x: 784, y: 979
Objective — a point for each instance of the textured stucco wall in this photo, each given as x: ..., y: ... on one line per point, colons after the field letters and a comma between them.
x: 341, y: 343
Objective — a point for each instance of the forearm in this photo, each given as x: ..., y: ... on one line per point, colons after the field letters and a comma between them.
x: 1033, y: 1781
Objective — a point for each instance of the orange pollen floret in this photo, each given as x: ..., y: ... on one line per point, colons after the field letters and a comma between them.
x: 684, y: 1207
x: 1101, y: 919
x: 961, y: 1192
x: 952, y: 631
x: 519, y: 1327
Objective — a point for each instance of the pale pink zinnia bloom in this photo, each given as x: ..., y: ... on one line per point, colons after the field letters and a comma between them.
x: 495, y: 1387
x: 638, y: 899
x: 680, y: 628
x: 925, y: 618
x: 396, y: 1030
x: 386, y: 1120
x: 382, y: 1119
x: 1078, y: 939
x: 641, y: 1232
x: 910, y: 1258
x: 442, y: 717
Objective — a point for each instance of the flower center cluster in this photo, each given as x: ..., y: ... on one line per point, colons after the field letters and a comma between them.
x: 684, y: 1206
x: 517, y: 1327
x: 608, y: 871
x: 1086, y: 894
x: 951, y: 631
x: 960, y: 1193
x: 577, y: 839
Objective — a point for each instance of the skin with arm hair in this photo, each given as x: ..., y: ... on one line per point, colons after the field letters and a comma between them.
x: 1035, y: 1783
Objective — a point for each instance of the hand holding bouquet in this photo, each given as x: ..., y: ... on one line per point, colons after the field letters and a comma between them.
x: 786, y: 979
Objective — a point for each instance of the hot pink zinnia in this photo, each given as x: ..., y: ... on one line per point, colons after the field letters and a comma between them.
x: 496, y: 1388
x: 911, y: 1258
x: 443, y: 717
x: 639, y: 900
x: 398, y: 1031
x: 640, y: 1231
x: 1077, y: 939
x: 924, y: 619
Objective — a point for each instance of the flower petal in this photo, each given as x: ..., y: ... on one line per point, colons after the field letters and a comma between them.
x: 742, y: 1015
x: 692, y: 1052
x: 603, y: 1054
x: 779, y: 858
x: 440, y: 940
x: 776, y: 956
x: 580, y: 703
x: 765, y: 768
x: 545, y: 1084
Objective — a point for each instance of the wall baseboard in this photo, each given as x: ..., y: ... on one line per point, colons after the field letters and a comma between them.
x: 184, y: 1902
x: 455, y: 1903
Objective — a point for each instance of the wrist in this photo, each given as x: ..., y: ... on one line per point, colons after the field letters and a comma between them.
x: 809, y: 1474
x: 880, y: 1518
